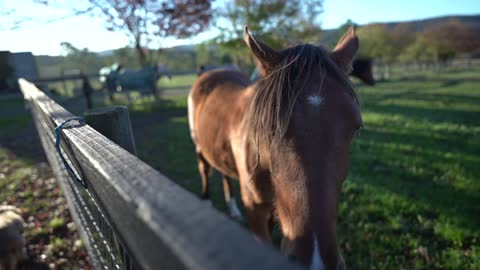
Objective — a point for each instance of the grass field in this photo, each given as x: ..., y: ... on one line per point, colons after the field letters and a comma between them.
x: 412, y: 197
x: 27, y: 183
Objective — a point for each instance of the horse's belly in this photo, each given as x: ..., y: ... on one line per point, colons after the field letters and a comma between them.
x: 216, y: 109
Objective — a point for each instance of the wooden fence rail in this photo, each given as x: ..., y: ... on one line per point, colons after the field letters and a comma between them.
x: 133, y: 217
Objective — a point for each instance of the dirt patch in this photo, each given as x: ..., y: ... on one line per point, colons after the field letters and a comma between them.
x: 27, y: 182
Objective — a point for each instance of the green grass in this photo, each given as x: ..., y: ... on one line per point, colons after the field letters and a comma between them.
x: 14, y: 116
x: 177, y: 80
x: 411, y: 200
x: 10, y: 123
x: 412, y: 197
x: 56, y: 223
x: 11, y: 103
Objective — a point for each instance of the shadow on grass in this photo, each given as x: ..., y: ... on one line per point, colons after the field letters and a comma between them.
x: 403, y: 194
x: 433, y: 115
x: 17, y: 132
x: 405, y: 165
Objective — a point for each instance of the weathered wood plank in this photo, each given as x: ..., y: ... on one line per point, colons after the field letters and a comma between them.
x: 163, y: 225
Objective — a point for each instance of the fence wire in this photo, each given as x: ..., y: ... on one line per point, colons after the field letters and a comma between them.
x: 105, y: 248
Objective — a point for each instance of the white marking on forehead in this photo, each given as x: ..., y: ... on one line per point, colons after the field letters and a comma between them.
x: 317, y: 262
x: 315, y: 100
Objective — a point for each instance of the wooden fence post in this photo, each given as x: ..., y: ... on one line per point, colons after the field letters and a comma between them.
x: 87, y: 91
x: 114, y: 123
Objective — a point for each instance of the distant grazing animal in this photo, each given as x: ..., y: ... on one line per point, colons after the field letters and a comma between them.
x: 361, y: 69
x: 204, y: 68
x: 286, y: 138
x: 117, y: 78
x: 12, y: 243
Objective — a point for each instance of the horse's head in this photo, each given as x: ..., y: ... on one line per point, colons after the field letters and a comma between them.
x: 303, y: 117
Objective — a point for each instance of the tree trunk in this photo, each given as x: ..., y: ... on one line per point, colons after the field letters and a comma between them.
x: 142, y: 57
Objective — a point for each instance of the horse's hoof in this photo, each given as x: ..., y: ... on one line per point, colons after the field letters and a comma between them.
x: 234, y: 211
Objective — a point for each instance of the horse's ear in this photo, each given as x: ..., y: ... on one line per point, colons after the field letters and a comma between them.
x: 346, y: 49
x: 266, y: 57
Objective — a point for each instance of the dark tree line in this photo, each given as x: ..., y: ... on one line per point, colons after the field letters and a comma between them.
x: 440, y: 42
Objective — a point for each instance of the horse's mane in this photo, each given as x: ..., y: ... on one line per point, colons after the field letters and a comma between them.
x: 275, y: 95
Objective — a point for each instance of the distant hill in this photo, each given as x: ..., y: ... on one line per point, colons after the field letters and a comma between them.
x: 105, y: 53
x: 420, y: 25
x: 329, y: 36
x: 181, y: 48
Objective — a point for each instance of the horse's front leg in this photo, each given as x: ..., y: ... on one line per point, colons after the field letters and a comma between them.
x: 230, y: 199
x: 204, y: 169
x: 110, y: 90
x: 258, y: 204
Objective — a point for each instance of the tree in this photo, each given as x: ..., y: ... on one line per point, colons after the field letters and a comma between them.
x: 384, y: 43
x: 81, y: 59
x: 146, y: 21
x: 143, y: 20
x: 451, y: 38
x: 401, y: 37
x: 125, y: 55
x: 419, y: 50
x: 179, y: 60
x: 277, y: 22
x: 375, y: 41
x: 441, y: 42
x: 207, y: 53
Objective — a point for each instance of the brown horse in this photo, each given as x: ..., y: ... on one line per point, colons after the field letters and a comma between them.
x: 286, y: 138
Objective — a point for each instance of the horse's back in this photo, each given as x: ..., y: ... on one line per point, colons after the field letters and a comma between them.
x: 136, y: 78
x: 220, y: 80
x: 217, y: 89
x: 214, y: 110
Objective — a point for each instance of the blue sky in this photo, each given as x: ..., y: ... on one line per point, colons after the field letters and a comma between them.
x: 40, y: 37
